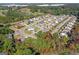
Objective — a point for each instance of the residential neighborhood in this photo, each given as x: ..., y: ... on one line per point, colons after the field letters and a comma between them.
x: 28, y: 28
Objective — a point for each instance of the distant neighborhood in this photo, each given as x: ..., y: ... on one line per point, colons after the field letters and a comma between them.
x: 28, y: 28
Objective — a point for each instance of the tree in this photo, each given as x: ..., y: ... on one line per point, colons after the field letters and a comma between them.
x: 23, y: 52
x: 8, y: 46
x: 21, y: 49
x: 2, y: 37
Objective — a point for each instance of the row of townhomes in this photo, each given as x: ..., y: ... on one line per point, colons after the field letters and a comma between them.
x: 28, y: 28
x: 68, y: 26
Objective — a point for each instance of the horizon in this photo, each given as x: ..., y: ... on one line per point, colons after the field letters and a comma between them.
x: 38, y: 1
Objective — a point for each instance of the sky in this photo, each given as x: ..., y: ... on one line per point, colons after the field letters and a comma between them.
x: 39, y: 1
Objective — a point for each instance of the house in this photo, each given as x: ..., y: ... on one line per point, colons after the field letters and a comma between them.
x: 63, y: 34
x: 30, y: 29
